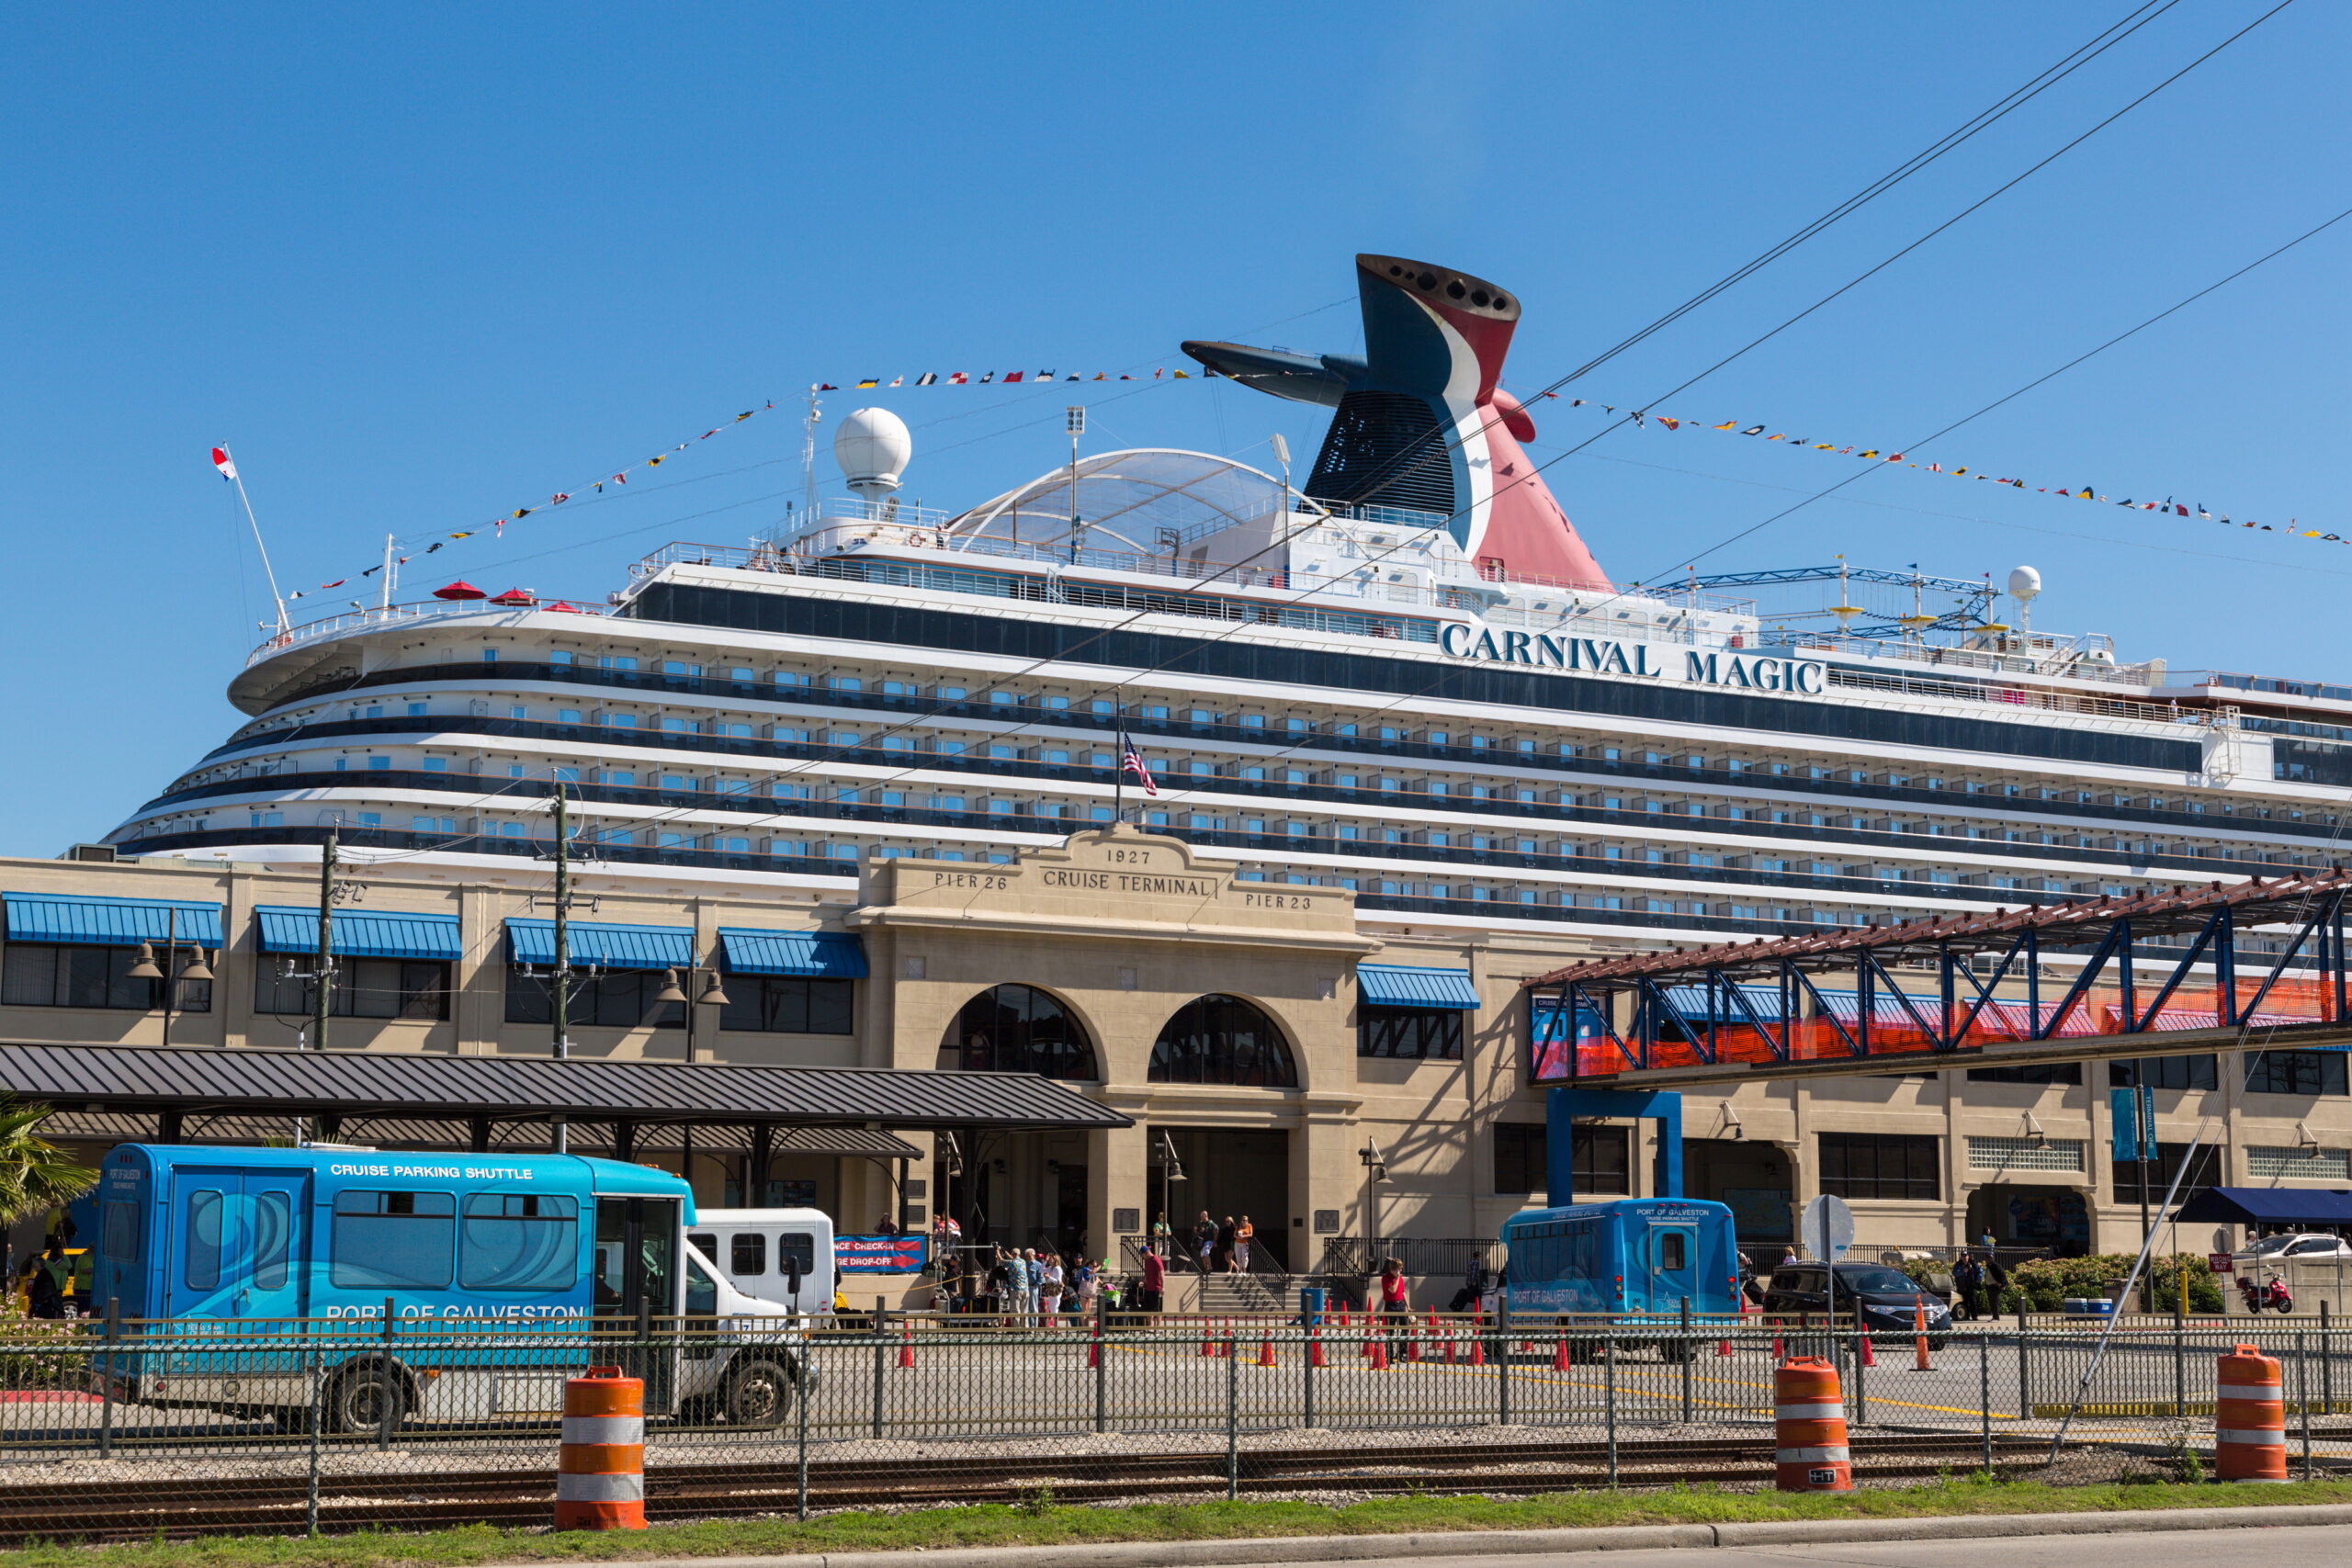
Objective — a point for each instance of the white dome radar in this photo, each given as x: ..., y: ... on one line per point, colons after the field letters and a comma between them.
x: 2024, y: 584
x: 872, y: 446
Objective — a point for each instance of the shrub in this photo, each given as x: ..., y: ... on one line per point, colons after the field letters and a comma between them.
x: 2044, y: 1283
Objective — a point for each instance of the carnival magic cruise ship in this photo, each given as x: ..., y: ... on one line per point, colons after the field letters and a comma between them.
x: 1409, y: 676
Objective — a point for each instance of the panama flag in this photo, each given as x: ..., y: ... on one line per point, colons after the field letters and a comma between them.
x: 220, y: 460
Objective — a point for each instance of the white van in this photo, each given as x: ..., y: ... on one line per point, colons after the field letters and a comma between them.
x: 755, y: 1251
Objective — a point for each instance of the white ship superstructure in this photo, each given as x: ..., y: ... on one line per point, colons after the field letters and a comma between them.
x: 1329, y: 688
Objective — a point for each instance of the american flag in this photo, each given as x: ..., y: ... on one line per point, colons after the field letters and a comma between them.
x: 1130, y: 763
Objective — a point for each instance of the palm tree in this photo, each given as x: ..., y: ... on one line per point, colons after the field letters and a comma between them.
x: 35, y: 1174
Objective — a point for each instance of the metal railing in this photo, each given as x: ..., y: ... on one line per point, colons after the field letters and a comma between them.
x: 1436, y: 1257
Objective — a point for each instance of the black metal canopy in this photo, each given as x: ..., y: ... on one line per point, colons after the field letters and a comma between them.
x: 536, y: 1089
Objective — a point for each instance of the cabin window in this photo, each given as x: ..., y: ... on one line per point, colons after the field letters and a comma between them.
x: 392, y: 1240
x: 1433, y: 1034
x: 747, y: 1255
x: 519, y: 1241
x: 1879, y: 1165
x: 788, y: 1004
x: 206, y: 1214
x: 1672, y: 1256
x: 272, y: 1238
x: 796, y: 1250
x: 1519, y: 1158
x: 363, y: 988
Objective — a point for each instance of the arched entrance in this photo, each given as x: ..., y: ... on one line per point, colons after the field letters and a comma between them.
x: 1226, y: 1171
x: 1019, y: 1189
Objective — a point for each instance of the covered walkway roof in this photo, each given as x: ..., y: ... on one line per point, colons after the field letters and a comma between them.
x: 186, y: 1080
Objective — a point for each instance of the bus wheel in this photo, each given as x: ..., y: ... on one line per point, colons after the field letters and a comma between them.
x: 355, y: 1402
x: 758, y: 1393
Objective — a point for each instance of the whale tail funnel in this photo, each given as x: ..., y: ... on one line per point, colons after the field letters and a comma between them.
x: 1420, y: 421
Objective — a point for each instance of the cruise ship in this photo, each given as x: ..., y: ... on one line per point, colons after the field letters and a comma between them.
x: 1404, y: 742
x: 1407, y: 676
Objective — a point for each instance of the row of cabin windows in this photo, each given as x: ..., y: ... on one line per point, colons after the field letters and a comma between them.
x: 405, y: 1241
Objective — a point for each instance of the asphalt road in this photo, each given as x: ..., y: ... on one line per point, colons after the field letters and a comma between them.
x: 2256, y: 1548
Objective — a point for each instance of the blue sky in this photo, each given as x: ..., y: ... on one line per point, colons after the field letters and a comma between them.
x: 417, y: 267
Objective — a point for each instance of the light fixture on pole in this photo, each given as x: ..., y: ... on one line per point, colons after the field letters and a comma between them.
x: 713, y: 994
x: 169, y: 970
x: 1375, y: 1171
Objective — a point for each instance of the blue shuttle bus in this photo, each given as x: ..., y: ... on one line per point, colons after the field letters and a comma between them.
x: 534, y: 1252
x: 1629, y: 1256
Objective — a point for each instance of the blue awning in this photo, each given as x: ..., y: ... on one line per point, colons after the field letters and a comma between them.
x: 821, y: 955
x: 361, y: 933
x: 1393, y: 986
x: 109, y: 922
x: 2268, y: 1206
x: 610, y: 947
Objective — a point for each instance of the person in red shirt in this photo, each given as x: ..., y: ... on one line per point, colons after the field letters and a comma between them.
x: 1155, y: 1282
x: 1396, y: 1313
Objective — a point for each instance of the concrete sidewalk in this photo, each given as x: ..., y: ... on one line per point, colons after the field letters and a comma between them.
x: 1244, y: 1553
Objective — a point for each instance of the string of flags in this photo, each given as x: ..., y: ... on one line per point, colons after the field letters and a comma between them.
x: 497, y: 525
x: 1005, y: 379
x: 2170, y: 506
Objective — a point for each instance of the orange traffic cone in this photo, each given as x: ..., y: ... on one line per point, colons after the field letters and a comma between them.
x: 1208, y: 1345
x: 1919, y: 1345
x: 1379, y: 1354
x: 1560, y: 1363
x: 1225, y: 1350
x: 907, y: 1347
x: 1870, y: 1358
x: 1478, y: 1340
x: 1314, y: 1346
x: 1266, y: 1349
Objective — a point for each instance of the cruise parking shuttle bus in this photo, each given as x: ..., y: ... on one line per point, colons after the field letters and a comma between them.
x: 504, y: 1267
x: 1630, y: 1255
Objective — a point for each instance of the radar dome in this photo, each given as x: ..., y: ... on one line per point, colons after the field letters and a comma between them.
x: 2024, y: 584
x: 872, y: 446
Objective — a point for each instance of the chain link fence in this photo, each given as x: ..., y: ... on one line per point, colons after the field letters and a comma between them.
x: 138, y: 1429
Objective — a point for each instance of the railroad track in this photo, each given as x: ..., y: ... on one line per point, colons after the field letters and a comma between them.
x: 183, y: 1508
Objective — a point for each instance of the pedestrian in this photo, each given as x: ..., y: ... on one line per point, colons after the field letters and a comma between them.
x: 1227, y: 1238
x: 1086, y: 1284
x: 1474, y: 1283
x: 1154, y: 1289
x: 1160, y: 1233
x: 1395, y: 1312
x: 999, y: 1283
x: 1204, y: 1240
x: 1016, y: 1288
x: 1050, y: 1281
x: 1967, y: 1277
x: 1243, y: 1234
x: 1996, y: 1281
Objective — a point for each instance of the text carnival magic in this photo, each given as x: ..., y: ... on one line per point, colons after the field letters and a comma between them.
x: 1754, y: 671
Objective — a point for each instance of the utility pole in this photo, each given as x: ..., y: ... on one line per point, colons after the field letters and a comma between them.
x: 323, y: 981
x: 563, y: 936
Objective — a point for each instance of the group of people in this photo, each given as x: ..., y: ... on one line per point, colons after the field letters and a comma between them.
x: 1032, y: 1288
x: 1214, y: 1246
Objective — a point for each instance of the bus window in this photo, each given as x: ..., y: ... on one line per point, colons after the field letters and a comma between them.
x: 702, y: 1293
x: 747, y: 1255
x: 273, y: 1234
x: 121, y: 1231
x: 519, y: 1241
x: 796, y: 1247
x: 1670, y: 1254
x: 705, y: 1242
x: 206, y: 1214
x: 392, y: 1240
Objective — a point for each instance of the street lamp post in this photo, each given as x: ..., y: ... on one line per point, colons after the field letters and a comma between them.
x: 713, y: 994
x: 146, y: 969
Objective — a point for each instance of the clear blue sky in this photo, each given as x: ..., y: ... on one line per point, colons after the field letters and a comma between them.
x: 419, y: 266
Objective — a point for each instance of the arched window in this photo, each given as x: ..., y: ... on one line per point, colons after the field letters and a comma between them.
x: 1019, y: 1029
x: 1218, y: 1039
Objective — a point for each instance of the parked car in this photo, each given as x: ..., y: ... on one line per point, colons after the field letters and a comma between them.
x: 2300, y: 1246
x: 1885, y: 1300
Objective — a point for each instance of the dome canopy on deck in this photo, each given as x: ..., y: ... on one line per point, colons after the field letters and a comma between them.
x: 1140, y: 497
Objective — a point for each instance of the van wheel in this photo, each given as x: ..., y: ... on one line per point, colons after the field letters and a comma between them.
x: 355, y: 1405
x: 758, y: 1393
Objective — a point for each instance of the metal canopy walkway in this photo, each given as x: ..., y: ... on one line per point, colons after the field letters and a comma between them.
x: 2159, y: 974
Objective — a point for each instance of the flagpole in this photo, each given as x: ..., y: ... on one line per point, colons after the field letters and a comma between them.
x: 280, y: 598
x: 1119, y: 782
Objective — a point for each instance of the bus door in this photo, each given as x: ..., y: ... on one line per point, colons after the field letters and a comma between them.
x: 236, y: 1248
x: 637, y: 1278
x: 1674, y: 1267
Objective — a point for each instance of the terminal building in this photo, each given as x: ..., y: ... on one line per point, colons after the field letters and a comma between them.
x: 1408, y: 746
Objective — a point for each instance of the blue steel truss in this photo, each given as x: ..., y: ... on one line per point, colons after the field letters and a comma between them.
x: 1639, y: 989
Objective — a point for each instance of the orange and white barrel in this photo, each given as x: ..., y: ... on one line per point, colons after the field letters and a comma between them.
x: 2250, y: 1417
x: 600, y: 1471
x: 1809, y: 1427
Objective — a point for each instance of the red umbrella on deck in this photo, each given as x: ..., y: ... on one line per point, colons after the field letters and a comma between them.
x: 460, y: 588
x: 516, y: 596
x: 567, y: 608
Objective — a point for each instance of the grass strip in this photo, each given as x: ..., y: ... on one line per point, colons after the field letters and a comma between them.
x: 1039, y: 1521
